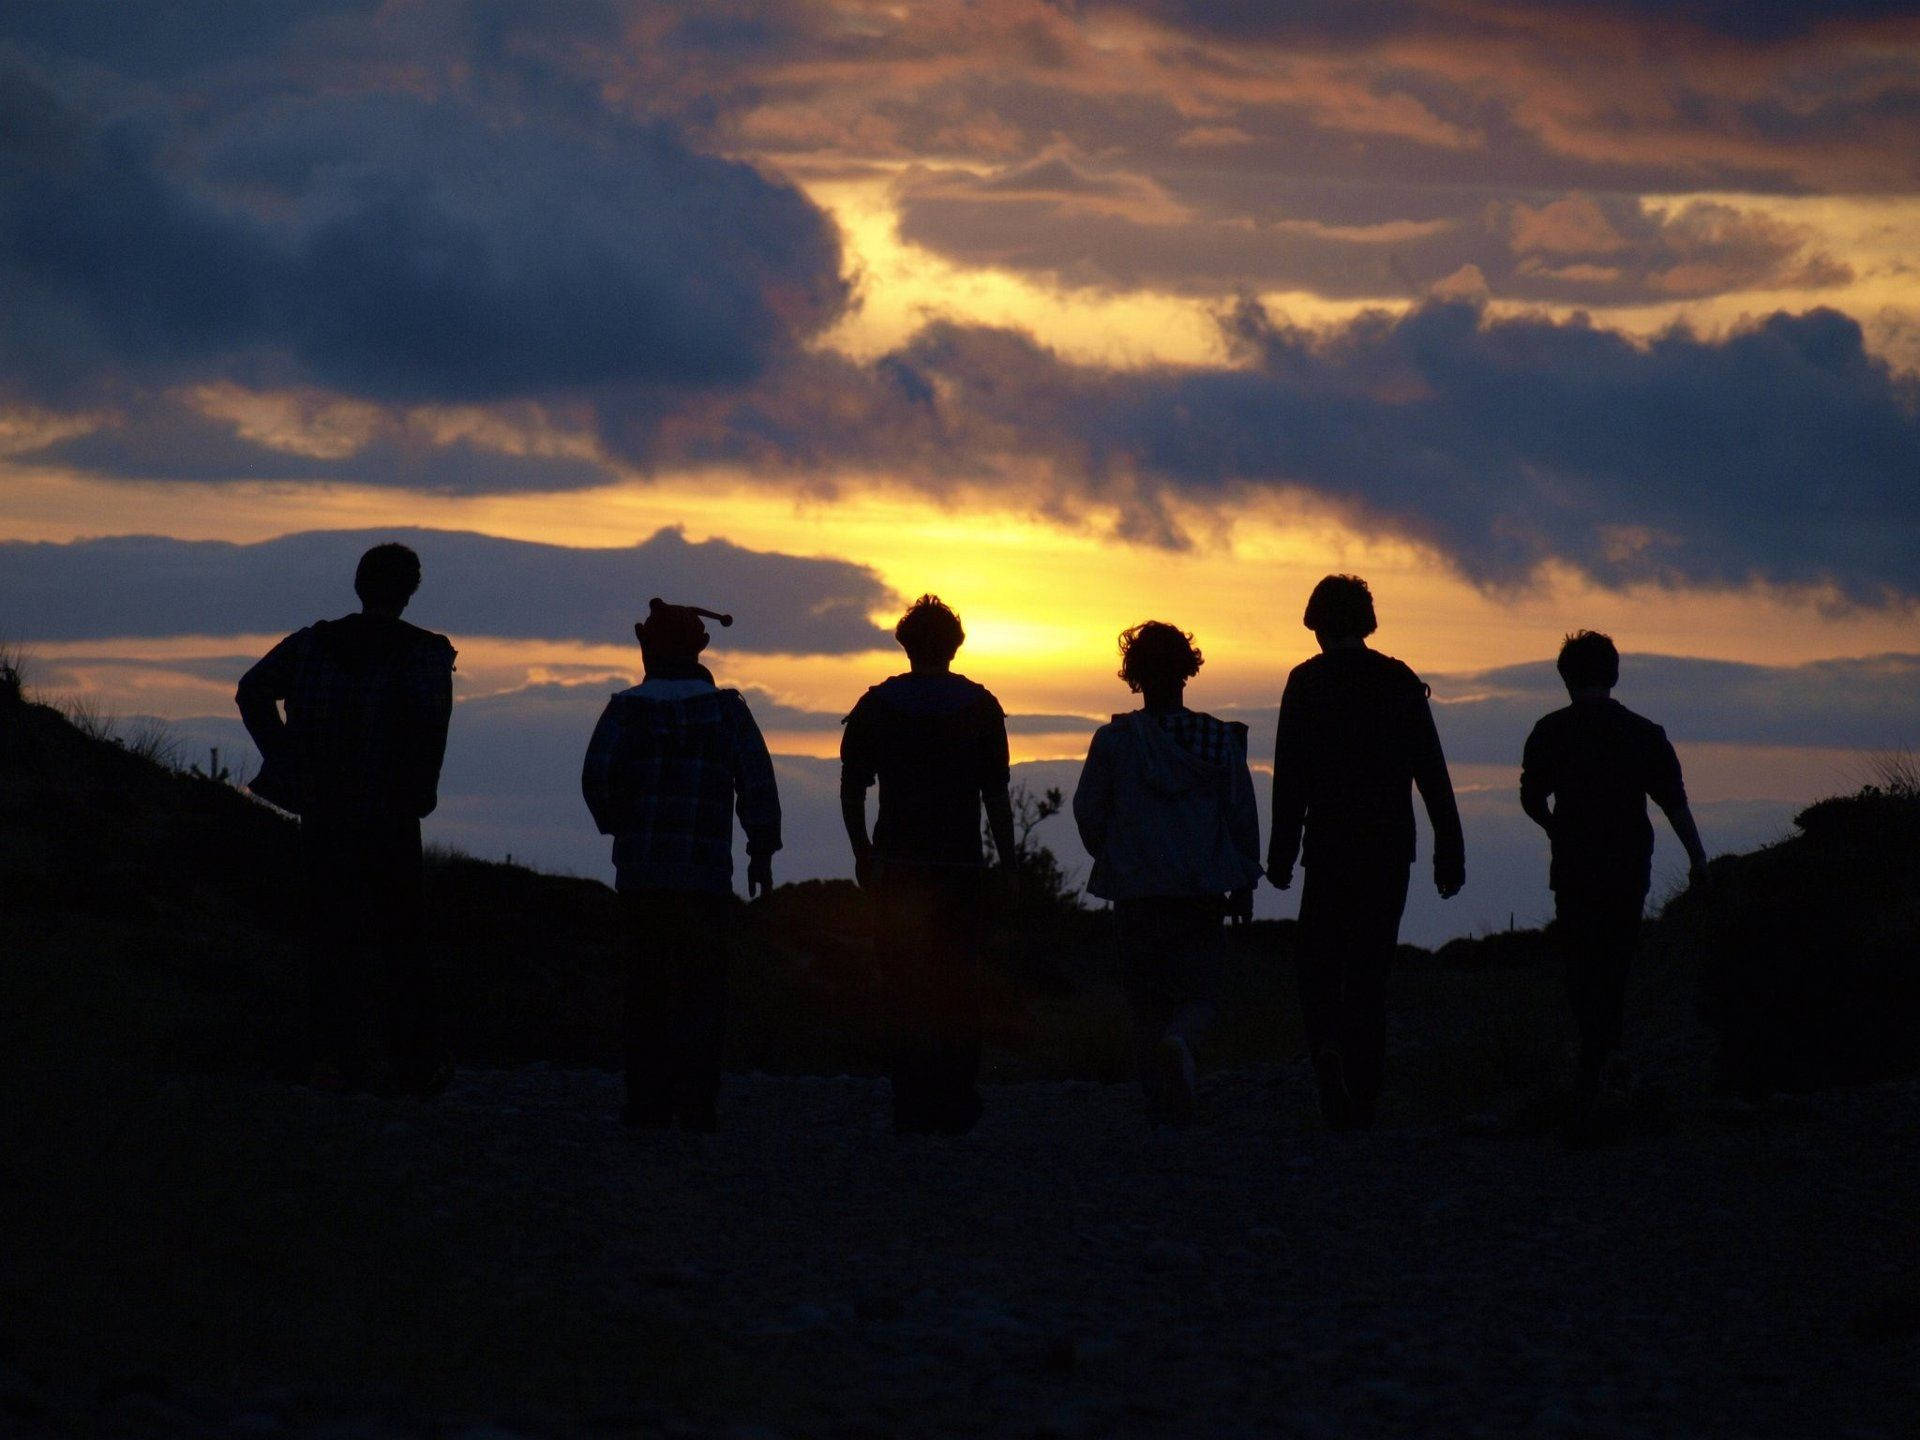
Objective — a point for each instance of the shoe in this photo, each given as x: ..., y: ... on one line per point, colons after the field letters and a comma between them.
x: 1336, y: 1100
x: 1173, y: 1080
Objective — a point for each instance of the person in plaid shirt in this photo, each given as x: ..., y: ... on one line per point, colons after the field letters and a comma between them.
x: 1165, y: 807
x: 357, y: 757
x: 669, y: 764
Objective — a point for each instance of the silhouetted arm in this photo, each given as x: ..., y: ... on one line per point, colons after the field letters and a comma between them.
x: 1243, y: 823
x: 856, y: 776
x: 1536, y: 781
x: 1289, y: 790
x: 1669, y: 791
x: 757, y: 798
x: 1093, y: 796
x: 433, y: 706
x: 261, y: 690
x: 995, y: 777
x: 597, y: 772
x: 1436, y: 792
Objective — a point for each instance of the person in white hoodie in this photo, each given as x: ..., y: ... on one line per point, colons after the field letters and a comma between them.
x: 1165, y: 808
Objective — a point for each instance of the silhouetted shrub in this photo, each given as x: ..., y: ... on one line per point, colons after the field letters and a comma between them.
x: 1810, y: 949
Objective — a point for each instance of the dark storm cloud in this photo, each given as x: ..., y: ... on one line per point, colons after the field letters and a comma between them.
x: 1119, y: 232
x: 473, y: 585
x: 167, y: 439
x: 389, y: 246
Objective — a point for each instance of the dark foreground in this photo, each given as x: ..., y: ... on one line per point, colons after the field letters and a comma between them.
x: 236, y: 1258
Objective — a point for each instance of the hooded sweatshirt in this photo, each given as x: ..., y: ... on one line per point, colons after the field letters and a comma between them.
x: 1165, y: 807
x: 669, y: 763
x: 368, y: 699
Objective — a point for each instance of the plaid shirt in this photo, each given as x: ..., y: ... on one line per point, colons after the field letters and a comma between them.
x: 1201, y: 735
x: 663, y: 774
x: 367, y: 702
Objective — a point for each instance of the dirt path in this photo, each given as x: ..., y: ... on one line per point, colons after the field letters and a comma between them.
x: 1064, y: 1272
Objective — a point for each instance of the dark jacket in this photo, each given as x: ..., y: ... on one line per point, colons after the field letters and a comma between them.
x: 1356, y: 734
x: 1599, y: 762
x: 1165, y: 807
x: 368, y: 699
x: 668, y: 766
x: 936, y: 742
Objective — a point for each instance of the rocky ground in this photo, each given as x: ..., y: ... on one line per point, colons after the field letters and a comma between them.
x: 507, y: 1261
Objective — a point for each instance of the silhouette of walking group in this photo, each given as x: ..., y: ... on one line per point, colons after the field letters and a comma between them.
x: 351, y: 717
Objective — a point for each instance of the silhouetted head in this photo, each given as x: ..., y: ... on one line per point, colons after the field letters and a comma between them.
x: 1589, y: 661
x: 1156, y: 656
x: 930, y: 632
x: 673, y: 632
x: 387, y: 577
x: 1341, y: 608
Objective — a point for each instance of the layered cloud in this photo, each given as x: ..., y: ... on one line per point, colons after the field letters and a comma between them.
x: 143, y: 586
x: 387, y: 244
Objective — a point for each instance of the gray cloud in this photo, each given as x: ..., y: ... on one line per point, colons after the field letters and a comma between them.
x: 389, y: 246
x: 473, y: 585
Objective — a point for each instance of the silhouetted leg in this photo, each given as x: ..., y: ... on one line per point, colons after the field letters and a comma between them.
x: 927, y: 943
x: 1598, y: 933
x: 702, y: 1016
x: 1373, y: 930
x: 338, y: 973
x: 647, y: 1025
x: 1319, y: 963
x: 1172, y: 952
x: 409, y: 1001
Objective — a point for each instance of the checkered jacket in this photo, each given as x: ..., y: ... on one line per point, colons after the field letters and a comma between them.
x: 367, y: 703
x: 664, y: 777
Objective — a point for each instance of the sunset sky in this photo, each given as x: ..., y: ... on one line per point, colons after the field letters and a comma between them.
x: 1572, y: 313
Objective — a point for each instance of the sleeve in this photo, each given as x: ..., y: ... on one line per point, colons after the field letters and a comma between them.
x: 1435, y: 785
x: 1537, y: 781
x: 757, y: 795
x: 1665, y: 786
x: 1243, y: 816
x: 1289, y: 784
x: 859, y: 759
x: 262, y: 688
x: 1093, y: 796
x: 433, y: 705
x: 596, y: 775
x: 992, y: 759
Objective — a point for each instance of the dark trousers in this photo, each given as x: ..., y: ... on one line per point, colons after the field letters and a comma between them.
x: 927, y: 925
x: 1597, y: 931
x: 675, y: 1028
x: 1172, y: 954
x: 367, y: 966
x: 1349, y: 925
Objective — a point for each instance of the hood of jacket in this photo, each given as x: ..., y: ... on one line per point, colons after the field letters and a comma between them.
x: 1166, y: 766
x: 670, y: 708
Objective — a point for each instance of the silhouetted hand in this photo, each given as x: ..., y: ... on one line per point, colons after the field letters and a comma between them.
x: 1281, y: 879
x: 863, y: 871
x: 1240, y: 905
x: 1449, y: 876
x: 759, y: 875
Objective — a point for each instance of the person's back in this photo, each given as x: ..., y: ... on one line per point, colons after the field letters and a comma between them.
x: 367, y: 700
x: 1602, y: 763
x: 934, y: 740
x: 669, y: 763
x: 1355, y: 735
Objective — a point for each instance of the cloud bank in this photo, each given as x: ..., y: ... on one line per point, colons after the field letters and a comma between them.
x: 143, y: 585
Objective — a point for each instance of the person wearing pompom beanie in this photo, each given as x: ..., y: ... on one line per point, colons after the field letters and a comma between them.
x: 672, y: 760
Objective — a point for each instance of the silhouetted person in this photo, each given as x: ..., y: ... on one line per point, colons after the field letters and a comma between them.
x: 1165, y: 808
x: 1356, y: 735
x: 1588, y: 772
x: 670, y: 763
x: 357, y: 757
x: 937, y: 744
